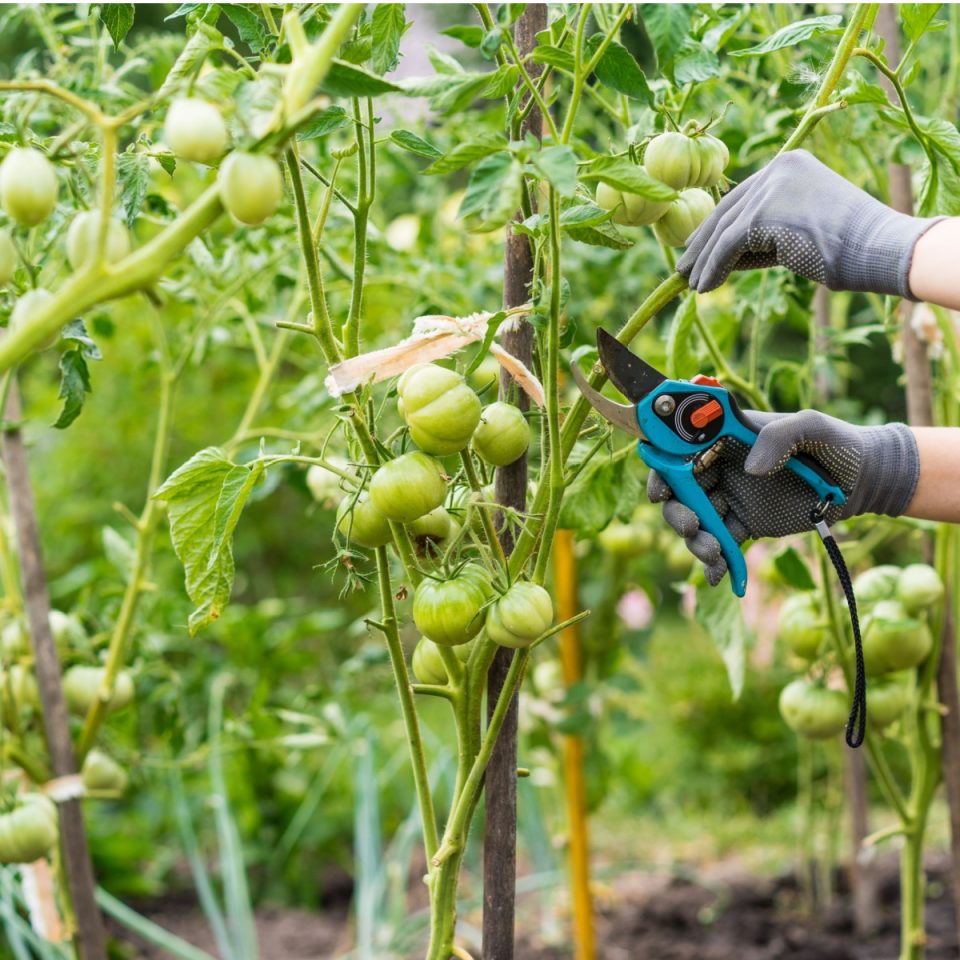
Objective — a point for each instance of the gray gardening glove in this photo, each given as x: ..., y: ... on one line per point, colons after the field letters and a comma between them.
x: 876, y: 467
x: 799, y: 214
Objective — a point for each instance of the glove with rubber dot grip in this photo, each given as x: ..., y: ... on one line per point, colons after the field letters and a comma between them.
x: 876, y: 467
x: 799, y: 214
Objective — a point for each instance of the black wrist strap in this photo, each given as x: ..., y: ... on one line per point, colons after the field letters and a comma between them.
x: 857, y: 723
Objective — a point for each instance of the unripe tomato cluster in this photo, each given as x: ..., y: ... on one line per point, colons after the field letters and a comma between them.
x: 691, y: 162
x: 894, y: 605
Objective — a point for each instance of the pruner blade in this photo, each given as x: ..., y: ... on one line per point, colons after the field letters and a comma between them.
x: 621, y: 415
x: 633, y: 377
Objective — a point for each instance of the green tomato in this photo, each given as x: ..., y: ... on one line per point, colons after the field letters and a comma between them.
x: 18, y: 691
x: 714, y: 157
x: 427, y: 663
x: 81, y: 688
x: 195, y: 130
x: 685, y: 214
x: 919, y: 587
x: 893, y: 640
x: 14, y: 641
x: 408, y: 487
x: 630, y: 209
x: 521, y: 615
x: 27, y: 307
x: 439, y: 408
x: 67, y: 630
x: 448, y: 612
x: 325, y: 486
x: 886, y: 700
x: 503, y: 434
x: 436, y: 526
x: 251, y: 187
x: 812, y: 710
x: 877, y: 583
x: 674, y: 159
x: 8, y: 258
x: 102, y: 773
x: 28, y: 186
x: 82, y: 239
x: 626, y: 539
x: 801, y: 625
x: 29, y: 831
x: 362, y: 523
x: 487, y: 374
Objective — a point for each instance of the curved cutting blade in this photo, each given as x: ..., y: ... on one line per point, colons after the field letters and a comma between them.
x: 633, y: 377
x: 620, y: 415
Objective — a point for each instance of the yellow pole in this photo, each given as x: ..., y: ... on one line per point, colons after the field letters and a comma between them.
x: 565, y: 573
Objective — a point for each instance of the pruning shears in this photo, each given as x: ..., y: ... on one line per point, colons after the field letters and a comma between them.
x: 681, y: 426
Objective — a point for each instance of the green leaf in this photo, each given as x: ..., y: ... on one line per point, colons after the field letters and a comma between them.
x: 792, y: 34
x: 118, y: 19
x: 324, y: 123
x: 74, y: 387
x: 792, y: 567
x: 206, y: 496
x: 494, y: 191
x: 471, y: 36
x: 465, y: 153
x: 387, y: 28
x: 414, y: 144
x: 592, y: 501
x: 555, y: 57
x: 667, y: 26
x: 860, y: 90
x: 501, y: 82
x: 118, y: 550
x: 694, y: 63
x: 168, y: 161
x: 720, y: 614
x: 348, y: 80
x: 619, y: 71
x: 133, y: 172
x: 624, y: 174
x: 599, y: 235
x: 918, y: 19
x: 558, y: 166
x: 583, y: 215
x: 77, y: 332
x: 682, y: 361
x: 249, y: 26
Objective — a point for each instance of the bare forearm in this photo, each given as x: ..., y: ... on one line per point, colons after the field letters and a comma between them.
x: 938, y: 492
x: 935, y: 269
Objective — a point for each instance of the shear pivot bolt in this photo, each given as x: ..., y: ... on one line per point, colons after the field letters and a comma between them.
x: 664, y: 405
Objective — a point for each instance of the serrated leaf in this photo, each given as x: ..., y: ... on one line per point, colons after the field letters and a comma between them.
x: 118, y: 19
x: 682, y: 362
x: 466, y: 153
x: 471, y: 36
x: 624, y: 174
x: 205, y: 497
x: 133, y: 172
x: 501, y: 82
x: 348, y: 80
x: 599, y: 235
x: 387, y: 28
x: 793, y: 569
x: 918, y: 18
x: 554, y: 57
x: 583, y: 215
x: 667, y: 25
x: 792, y: 34
x: 592, y: 501
x: 167, y: 161
x: 324, y: 123
x: 414, y: 144
x: 694, y: 63
x: 619, y: 71
x: 720, y: 614
x: 74, y: 387
x: 558, y: 166
x: 860, y: 90
x: 494, y: 191
x: 76, y: 331
x: 249, y: 26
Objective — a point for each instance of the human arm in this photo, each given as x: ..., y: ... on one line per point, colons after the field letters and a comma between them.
x: 934, y: 276
x: 937, y: 496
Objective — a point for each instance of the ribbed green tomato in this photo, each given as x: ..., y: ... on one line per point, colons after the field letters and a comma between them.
x: 714, y: 157
x: 28, y: 186
x: 82, y: 239
x: 8, y: 258
x: 877, y: 583
x: 887, y: 698
x: 427, y: 663
x: 102, y: 773
x: 919, y: 587
x: 521, y: 615
x: 813, y: 710
x: 630, y: 209
x: 448, y: 612
x: 29, y: 831
x: 502, y: 436
x: 437, y: 525
x: 625, y: 539
x: 408, y: 487
x: 81, y: 688
x: 801, y: 625
x: 674, y: 159
x: 439, y: 408
x: 195, y: 130
x: 685, y: 214
x: 27, y: 307
x: 251, y: 187
x: 893, y: 640
x: 362, y: 523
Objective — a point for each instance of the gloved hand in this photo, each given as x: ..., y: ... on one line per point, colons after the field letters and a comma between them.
x: 799, y: 214
x: 876, y: 467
